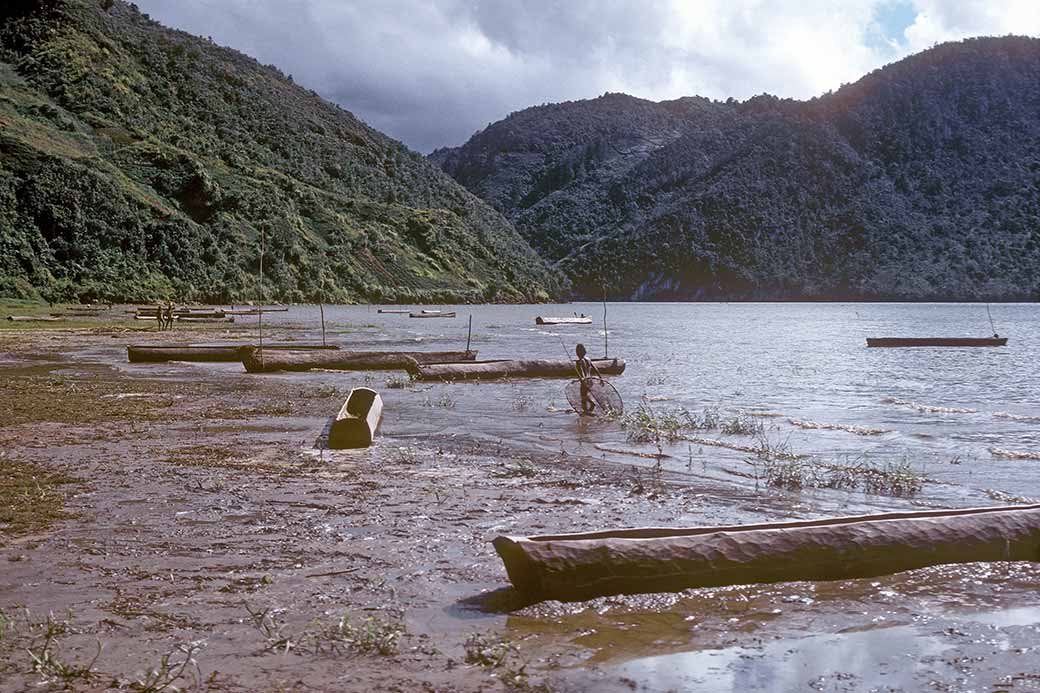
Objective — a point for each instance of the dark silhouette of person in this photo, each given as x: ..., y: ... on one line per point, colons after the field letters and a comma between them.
x: 585, y: 369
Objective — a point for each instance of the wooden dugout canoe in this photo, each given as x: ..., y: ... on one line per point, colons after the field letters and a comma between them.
x: 33, y: 318
x: 196, y: 318
x: 345, y: 360
x: 936, y: 341
x: 562, y: 321
x: 529, y: 368
x: 395, y: 311
x: 147, y: 353
x: 358, y: 420
x: 573, y: 567
x: 432, y: 314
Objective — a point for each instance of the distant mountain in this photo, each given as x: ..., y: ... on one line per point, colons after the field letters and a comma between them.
x: 919, y: 181
x: 137, y: 162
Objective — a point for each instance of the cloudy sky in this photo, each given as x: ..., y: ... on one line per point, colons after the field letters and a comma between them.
x: 432, y: 72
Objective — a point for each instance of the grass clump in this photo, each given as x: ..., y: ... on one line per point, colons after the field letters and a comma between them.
x: 897, y: 479
x: 30, y: 497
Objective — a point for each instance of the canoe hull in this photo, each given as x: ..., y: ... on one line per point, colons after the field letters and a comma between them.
x: 936, y: 341
x: 531, y: 368
x: 562, y: 321
x: 345, y: 360
x: 358, y: 420
x: 431, y: 315
x: 583, y: 566
x: 213, y: 353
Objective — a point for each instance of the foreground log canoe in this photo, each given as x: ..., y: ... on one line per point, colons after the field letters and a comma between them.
x: 936, y: 341
x: 574, y: 567
x: 529, y: 368
x: 584, y: 320
x: 345, y: 360
x: 358, y: 420
x: 148, y: 353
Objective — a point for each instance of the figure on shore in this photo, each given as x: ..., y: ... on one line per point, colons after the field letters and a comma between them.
x: 585, y: 369
x: 169, y: 315
x: 159, y: 323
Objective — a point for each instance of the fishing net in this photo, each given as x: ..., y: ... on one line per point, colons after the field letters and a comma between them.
x: 601, y: 398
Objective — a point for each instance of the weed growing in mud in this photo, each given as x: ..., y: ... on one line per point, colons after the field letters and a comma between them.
x: 373, y: 635
x: 43, y: 650
x: 503, y: 658
x: 517, y: 468
x: 396, y: 382
x: 29, y: 497
x: 897, y: 479
x: 644, y: 425
x: 742, y: 425
x: 405, y: 456
x: 172, y: 667
x: 521, y: 402
x: 445, y: 401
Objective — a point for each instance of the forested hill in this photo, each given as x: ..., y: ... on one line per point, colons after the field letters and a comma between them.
x: 137, y: 161
x: 919, y: 181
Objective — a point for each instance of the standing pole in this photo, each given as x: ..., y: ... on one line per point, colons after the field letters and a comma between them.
x: 991, y: 325
x: 605, y: 340
x: 260, y: 314
x: 321, y: 307
x: 469, y: 333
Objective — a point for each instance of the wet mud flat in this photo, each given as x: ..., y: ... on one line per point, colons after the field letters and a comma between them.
x: 183, y: 527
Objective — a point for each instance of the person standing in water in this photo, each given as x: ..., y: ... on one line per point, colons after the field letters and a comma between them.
x: 585, y: 369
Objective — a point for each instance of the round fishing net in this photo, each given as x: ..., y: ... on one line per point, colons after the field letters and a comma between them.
x: 600, y: 398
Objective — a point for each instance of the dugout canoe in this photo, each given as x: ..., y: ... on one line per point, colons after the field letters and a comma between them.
x: 33, y: 318
x: 936, y: 341
x: 395, y: 311
x: 429, y: 314
x: 562, y: 321
x: 195, y: 318
x: 574, y: 567
x: 149, y: 353
x: 358, y: 420
x: 522, y: 368
x: 345, y: 360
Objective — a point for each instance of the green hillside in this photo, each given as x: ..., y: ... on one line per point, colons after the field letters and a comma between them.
x: 139, y: 162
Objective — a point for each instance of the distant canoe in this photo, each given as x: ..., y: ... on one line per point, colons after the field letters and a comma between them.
x: 214, y: 353
x: 33, y: 318
x: 562, y: 321
x: 345, y: 360
x: 396, y: 311
x: 529, y: 368
x: 193, y: 318
x: 358, y: 420
x: 425, y: 314
x: 936, y: 341
x: 573, y: 567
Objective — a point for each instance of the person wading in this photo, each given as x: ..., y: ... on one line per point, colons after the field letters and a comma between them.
x: 585, y: 369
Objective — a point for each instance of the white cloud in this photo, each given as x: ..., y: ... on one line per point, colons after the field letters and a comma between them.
x: 432, y: 72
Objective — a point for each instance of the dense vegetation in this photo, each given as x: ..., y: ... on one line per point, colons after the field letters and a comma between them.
x: 919, y: 181
x: 139, y: 162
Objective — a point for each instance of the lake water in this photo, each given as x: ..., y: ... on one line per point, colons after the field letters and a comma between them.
x: 966, y: 418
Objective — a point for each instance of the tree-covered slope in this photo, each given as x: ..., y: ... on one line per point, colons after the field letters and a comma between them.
x: 137, y: 161
x: 920, y: 181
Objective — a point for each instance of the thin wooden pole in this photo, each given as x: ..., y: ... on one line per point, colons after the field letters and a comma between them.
x: 469, y: 333
x: 605, y: 340
x: 321, y: 307
x: 260, y: 314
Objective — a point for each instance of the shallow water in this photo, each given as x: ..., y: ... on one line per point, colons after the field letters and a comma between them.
x: 943, y: 410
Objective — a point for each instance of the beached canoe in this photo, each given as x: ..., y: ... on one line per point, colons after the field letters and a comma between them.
x: 358, y: 420
x: 345, y: 360
x: 575, y: 567
x: 526, y: 368
x: 33, y: 318
x: 936, y: 341
x: 432, y: 314
x: 148, y: 353
x: 562, y: 321
x: 395, y: 311
x: 193, y: 318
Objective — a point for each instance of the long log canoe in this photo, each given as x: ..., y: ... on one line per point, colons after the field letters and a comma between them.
x: 345, y: 360
x: 527, y: 368
x: 936, y: 341
x: 574, y: 567
x: 147, y: 353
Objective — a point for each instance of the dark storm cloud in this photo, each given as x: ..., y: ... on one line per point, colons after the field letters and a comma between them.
x: 431, y: 73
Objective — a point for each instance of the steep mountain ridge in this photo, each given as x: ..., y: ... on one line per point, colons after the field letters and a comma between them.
x: 139, y: 161
x: 919, y: 181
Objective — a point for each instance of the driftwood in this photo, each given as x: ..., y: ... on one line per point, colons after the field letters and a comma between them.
x: 562, y: 321
x: 432, y: 314
x: 936, y: 341
x: 357, y: 421
x: 575, y: 567
x: 147, y: 353
x: 345, y: 360
x: 529, y: 368
x: 33, y: 318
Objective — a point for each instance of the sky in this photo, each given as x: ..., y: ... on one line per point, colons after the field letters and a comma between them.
x: 431, y: 73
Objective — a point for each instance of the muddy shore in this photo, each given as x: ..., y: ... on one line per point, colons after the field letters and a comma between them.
x: 197, y: 536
